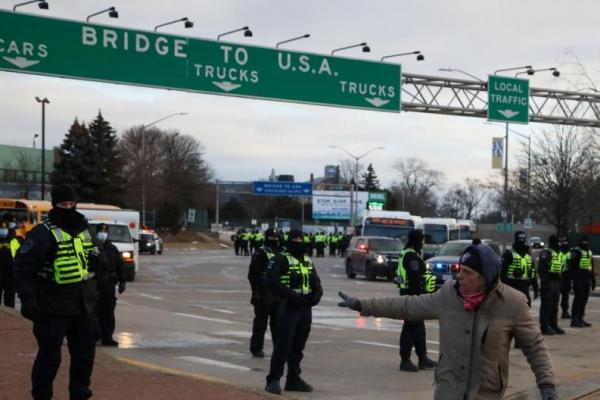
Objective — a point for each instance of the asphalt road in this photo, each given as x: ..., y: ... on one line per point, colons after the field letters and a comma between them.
x: 190, y: 311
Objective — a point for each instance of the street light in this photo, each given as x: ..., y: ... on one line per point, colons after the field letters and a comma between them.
x: 35, y: 137
x: 460, y: 71
x: 144, y: 159
x: 44, y: 101
x: 112, y: 12
x: 420, y: 57
x: 247, y: 32
x: 42, y: 4
x: 356, y: 159
x: 365, y: 48
x: 188, y: 23
x: 292, y: 39
x: 527, y: 67
x: 555, y: 72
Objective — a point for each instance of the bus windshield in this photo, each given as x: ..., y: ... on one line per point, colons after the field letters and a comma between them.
x: 397, y: 232
x: 436, y: 233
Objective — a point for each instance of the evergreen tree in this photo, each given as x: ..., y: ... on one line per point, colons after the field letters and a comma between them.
x: 370, y: 182
x: 74, y: 164
x: 109, y: 182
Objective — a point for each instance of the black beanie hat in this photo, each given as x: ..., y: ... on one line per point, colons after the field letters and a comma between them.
x: 471, y: 258
x: 553, y: 241
x: 102, y: 227
x: 62, y: 193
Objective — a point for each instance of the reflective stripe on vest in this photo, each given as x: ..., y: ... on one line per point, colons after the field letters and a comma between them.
x: 15, y: 245
x: 564, y: 259
x: 304, y: 269
x: 402, y: 282
x: 520, y: 263
x: 585, y: 262
x: 71, y: 260
x: 556, y: 262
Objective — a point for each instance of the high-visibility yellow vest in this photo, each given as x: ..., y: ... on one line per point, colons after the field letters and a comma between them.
x: 15, y: 245
x: 564, y: 258
x: 523, y: 263
x: 402, y: 282
x: 296, y: 267
x: 585, y: 262
x: 556, y: 262
x: 71, y: 261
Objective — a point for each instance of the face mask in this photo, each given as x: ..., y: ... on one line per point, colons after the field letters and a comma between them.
x: 3, y: 232
x: 12, y: 225
x: 102, y: 236
x: 296, y: 248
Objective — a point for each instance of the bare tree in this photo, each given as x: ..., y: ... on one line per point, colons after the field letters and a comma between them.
x: 463, y: 200
x: 25, y: 169
x: 348, y: 168
x: 414, y: 188
x: 563, y: 175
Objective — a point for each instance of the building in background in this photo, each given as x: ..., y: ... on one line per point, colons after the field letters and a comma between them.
x: 21, y: 172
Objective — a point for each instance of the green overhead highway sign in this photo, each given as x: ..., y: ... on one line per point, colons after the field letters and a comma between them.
x: 508, y: 99
x: 57, y: 47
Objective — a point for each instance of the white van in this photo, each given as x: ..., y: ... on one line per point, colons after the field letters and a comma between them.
x: 123, y: 231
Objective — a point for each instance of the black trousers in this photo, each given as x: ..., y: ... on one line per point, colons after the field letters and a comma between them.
x: 265, y: 313
x: 332, y: 247
x: 565, y: 290
x: 7, y: 286
x: 550, y: 295
x: 105, y: 313
x: 293, y: 328
x: 320, y: 249
x: 413, y: 334
x: 50, y: 331
x: 522, y: 285
x: 581, y: 291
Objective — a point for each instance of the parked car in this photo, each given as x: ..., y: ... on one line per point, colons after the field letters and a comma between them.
x: 373, y: 257
x: 444, y: 265
x: 536, y: 242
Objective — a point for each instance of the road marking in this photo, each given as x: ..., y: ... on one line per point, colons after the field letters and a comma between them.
x: 393, y: 346
x: 171, y: 371
x: 213, y: 363
x: 221, y: 310
x: 150, y: 296
x: 223, y: 321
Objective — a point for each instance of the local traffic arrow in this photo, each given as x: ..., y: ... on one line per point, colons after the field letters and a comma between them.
x: 226, y: 86
x: 376, y: 101
x: 21, y: 62
x: 508, y: 113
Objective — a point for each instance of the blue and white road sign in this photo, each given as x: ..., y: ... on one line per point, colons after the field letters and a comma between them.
x: 282, y: 188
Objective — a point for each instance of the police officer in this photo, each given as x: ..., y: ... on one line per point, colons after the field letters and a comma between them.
x: 292, y: 277
x: 567, y: 280
x: 414, y: 279
x: 54, y: 280
x: 332, y: 240
x: 246, y: 236
x: 265, y: 304
x: 111, y: 272
x: 7, y: 287
x: 550, y: 268
x: 320, y: 241
x: 517, y: 267
x: 582, y: 270
x: 236, y: 238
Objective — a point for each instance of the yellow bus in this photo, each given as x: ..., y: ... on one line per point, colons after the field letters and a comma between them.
x: 27, y: 213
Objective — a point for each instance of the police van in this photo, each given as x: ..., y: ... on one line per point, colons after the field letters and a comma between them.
x: 123, y: 231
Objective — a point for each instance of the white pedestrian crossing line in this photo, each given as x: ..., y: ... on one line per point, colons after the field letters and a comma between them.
x: 222, y: 321
x: 393, y: 346
x: 213, y: 363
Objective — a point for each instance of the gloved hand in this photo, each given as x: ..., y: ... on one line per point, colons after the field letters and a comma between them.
x: 29, y: 307
x: 549, y: 393
x: 313, y: 299
x: 349, y: 302
x: 122, y: 285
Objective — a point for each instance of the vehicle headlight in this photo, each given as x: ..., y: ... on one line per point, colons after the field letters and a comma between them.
x: 126, y: 254
x: 380, y: 259
x: 428, y: 266
x: 148, y: 244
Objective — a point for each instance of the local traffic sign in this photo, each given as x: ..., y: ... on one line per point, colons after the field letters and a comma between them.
x: 508, y: 99
x: 282, y: 188
x: 57, y: 47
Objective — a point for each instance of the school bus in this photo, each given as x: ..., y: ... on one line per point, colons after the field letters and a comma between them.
x: 27, y: 213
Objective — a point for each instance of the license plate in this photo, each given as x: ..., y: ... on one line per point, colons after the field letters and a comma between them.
x: 447, y: 277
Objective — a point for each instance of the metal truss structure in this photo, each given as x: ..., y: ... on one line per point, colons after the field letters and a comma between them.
x: 450, y: 96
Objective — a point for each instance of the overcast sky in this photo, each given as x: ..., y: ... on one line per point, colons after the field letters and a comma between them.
x: 245, y: 138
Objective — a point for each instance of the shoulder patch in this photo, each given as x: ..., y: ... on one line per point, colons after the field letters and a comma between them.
x: 26, y: 246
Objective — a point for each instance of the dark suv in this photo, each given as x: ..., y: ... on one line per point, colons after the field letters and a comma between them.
x: 373, y: 257
x: 444, y: 265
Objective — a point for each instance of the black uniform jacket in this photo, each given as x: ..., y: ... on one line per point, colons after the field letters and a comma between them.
x: 110, y: 267
x: 415, y: 267
x: 39, y: 249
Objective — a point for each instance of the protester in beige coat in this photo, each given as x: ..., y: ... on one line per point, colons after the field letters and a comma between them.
x: 478, y: 318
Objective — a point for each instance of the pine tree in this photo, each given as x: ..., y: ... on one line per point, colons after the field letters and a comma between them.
x: 74, y: 164
x: 370, y: 182
x: 109, y: 182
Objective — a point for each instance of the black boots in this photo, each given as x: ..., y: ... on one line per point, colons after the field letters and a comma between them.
x: 427, y: 363
x: 408, y: 366
x: 258, y: 354
x: 273, y: 387
x: 297, y: 385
